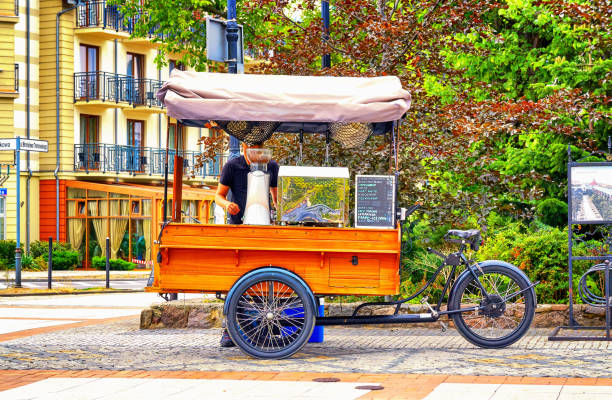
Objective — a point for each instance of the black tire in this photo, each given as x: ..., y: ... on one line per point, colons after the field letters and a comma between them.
x: 499, y: 323
x: 269, y: 324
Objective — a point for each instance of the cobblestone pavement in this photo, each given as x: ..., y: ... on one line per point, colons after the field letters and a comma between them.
x: 121, y: 345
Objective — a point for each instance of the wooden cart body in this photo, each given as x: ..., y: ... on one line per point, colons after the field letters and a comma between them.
x: 200, y: 258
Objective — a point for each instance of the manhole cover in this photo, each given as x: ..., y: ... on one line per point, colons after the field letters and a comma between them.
x: 369, y: 387
x: 326, y: 380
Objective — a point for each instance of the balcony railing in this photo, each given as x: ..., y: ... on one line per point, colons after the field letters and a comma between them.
x: 143, y: 92
x: 101, y: 157
x: 16, y: 7
x: 97, y: 14
x: 106, y: 86
x: 16, y: 77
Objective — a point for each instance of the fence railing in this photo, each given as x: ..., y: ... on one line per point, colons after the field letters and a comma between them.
x: 101, y: 157
x: 106, y: 86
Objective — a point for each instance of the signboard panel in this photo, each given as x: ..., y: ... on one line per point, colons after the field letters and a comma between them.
x: 216, y: 41
x: 375, y: 201
x: 8, y: 144
x: 34, y: 145
x: 25, y: 145
x: 591, y: 193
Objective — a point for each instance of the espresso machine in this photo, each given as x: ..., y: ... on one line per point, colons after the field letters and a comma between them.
x: 257, y: 209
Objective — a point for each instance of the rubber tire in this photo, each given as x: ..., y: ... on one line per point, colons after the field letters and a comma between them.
x: 530, y: 303
x: 309, y: 315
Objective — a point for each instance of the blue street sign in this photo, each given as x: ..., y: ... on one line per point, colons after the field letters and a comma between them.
x: 3, y: 191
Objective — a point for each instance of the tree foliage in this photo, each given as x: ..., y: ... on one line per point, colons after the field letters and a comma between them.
x: 500, y: 88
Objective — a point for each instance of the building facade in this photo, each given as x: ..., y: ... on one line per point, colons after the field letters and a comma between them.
x: 71, y: 75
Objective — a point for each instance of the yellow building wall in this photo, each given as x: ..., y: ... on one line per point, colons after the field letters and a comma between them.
x: 48, y: 12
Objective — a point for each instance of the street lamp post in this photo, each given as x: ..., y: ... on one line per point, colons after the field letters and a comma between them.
x: 326, y: 59
x: 232, y: 61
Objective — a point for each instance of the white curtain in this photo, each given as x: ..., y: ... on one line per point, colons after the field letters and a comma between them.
x: 99, y: 224
x: 118, y: 225
x: 146, y: 227
x: 76, y: 228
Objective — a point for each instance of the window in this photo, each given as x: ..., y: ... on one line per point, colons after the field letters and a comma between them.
x: 172, y: 137
x: 135, y: 65
x: 136, y: 86
x: 86, y: 82
x: 135, y: 131
x: 136, y: 157
x: 88, y: 56
x: 88, y: 151
x: 89, y: 128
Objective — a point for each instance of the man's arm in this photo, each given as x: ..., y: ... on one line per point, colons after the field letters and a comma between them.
x: 274, y: 193
x: 222, y: 201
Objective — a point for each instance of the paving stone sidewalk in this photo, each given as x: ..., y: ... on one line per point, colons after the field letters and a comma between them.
x: 121, y: 345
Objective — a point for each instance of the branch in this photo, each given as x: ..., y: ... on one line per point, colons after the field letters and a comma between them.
x: 414, y: 33
x: 326, y: 41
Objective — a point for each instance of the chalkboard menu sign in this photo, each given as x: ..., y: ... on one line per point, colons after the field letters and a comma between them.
x: 375, y: 201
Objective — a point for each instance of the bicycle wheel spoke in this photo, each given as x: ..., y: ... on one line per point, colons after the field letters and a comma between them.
x: 500, y: 313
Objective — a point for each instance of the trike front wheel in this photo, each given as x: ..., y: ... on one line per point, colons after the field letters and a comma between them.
x: 499, y: 318
x: 270, y: 315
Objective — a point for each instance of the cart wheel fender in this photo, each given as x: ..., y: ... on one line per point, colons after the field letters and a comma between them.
x: 280, y: 271
x: 467, y: 274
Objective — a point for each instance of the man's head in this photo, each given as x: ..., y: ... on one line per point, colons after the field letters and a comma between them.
x: 246, y: 146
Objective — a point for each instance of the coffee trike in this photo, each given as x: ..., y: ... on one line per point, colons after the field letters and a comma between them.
x: 272, y: 276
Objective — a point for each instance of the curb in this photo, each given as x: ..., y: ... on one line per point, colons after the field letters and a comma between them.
x: 72, y: 293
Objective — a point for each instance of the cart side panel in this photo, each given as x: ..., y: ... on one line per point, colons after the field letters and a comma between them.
x: 209, y: 258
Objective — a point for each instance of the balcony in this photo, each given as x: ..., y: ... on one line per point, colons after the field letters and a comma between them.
x: 100, y: 20
x: 8, y: 12
x: 99, y: 88
x: 133, y: 160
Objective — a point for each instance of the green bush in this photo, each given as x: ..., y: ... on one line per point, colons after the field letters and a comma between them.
x: 542, y: 254
x: 40, y: 263
x: 115, y: 264
x: 552, y: 212
x: 40, y: 248
x: 27, y: 262
x: 7, y: 252
x: 65, y: 259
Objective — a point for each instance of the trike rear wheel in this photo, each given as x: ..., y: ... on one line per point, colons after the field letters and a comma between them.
x: 498, y: 320
x: 270, y: 315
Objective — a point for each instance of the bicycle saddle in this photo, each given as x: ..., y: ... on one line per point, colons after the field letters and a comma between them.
x: 469, y: 234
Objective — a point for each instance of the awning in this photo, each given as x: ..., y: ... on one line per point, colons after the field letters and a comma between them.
x: 197, y: 96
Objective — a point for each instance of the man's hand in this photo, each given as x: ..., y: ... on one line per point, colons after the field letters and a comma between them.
x: 233, y: 208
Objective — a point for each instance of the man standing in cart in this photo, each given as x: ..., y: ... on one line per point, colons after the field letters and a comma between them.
x: 234, y: 177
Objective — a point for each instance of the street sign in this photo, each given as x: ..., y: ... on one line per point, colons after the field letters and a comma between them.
x: 216, y: 41
x: 26, y: 145
x: 35, y: 145
x: 3, y: 192
x: 8, y: 144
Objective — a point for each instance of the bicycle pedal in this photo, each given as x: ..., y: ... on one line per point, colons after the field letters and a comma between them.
x: 434, y: 313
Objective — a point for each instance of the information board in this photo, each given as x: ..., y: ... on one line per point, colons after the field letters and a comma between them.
x: 375, y: 201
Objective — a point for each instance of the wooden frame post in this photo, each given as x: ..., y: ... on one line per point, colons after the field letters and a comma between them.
x: 177, y: 184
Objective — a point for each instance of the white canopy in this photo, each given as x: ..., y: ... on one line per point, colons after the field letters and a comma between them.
x: 190, y: 95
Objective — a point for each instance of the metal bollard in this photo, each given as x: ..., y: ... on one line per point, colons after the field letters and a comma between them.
x: 107, y: 263
x: 50, y: 263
